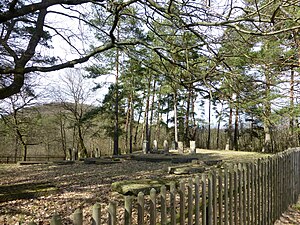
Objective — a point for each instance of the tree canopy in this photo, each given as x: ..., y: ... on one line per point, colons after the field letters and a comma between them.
x: 27, y: 28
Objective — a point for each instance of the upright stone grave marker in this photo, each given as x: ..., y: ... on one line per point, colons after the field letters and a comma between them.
x: 70, y: 156
x: 192, y: 147
x: 166, y: 147
x: 97, y: 153
x: 155, y: 147
x: 75, y: 154
x: 180, y: 147
x: 145, y: 147
x: 173, y: 145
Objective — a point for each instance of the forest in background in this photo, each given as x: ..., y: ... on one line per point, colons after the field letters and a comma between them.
x: 178, y: 66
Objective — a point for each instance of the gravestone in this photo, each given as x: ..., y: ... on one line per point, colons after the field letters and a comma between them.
x: 166, y: 147
x: 155, y: 147
x: 173, y: 145
x: 92, y: 153
x: 192, y: 147
x: 69, y: 155
x: 145, y: 147
x: 180, y: 147
x: 97, y: 153
x: 75, y: 154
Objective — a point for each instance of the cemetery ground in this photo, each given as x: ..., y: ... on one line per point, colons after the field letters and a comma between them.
x: 62, y: 188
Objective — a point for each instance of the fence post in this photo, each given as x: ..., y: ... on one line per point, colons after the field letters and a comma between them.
x: 255, y: 176
x: 284, y: 184
x: 297, y: 174
x: 214, y: 196
x: 226, y: 196
x: 252, y: 181
x: 273, y: 173
x: 140, y: 202
x: 112, y: 213
x: 244, y: 188
x: 55, y: 220
x: 278, y: 184
x: 267, y: 194
x: 96, y: 217
x: 231, y: 180
x: 190, y: 201
x: 197, y: 200
x: 152, y: 206
x: 269, y: 191
x: 240, y: 193
x: 163, y: 203
x: 248, y: 182
x: 128, y: 210
x: 204, y: 195
x: 220, y: 194
x: 259, y: 191
x: 235, y: 187
x: 210, y: 200
x: 77, y: 217
x: 182, y: 202
x: 172, y: 203
x: 294, y: 178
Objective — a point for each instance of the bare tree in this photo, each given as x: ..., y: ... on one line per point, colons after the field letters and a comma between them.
x: 74, y: 94
x: 17, y: 120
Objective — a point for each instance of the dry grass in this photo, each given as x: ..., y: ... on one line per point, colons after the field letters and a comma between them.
x: 81, y: 185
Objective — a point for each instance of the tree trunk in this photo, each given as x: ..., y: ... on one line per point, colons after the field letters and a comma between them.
x: 168, y: 113
x: 137, y: 128
x: 229, y: 132
x: 187, y: 117
x: 292, y: 118
x: 268, y: 147
x: 24, y: 151
x: 131, y: 125
x: 219, y: 125
x: 268, y: 141
x: 145, y: 133
x: 127, y: 123
x: 63, y: 135
x: 20, y: 136
x: 151, y: 116
x: 159, y: 119
x: 298, y: 131
x: 116, y: 127
x: 251, y: 132
x: 194, y: 129
x: 209, y: 122
x: 297, y: 41
x: 23, y: 143
x: 83, y: 151
x: 236, y: 130
x: 218, y: 134
x: 175, y: 120
x: 16, y: 148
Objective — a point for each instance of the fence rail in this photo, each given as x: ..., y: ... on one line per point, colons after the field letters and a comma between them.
x: 244, y: 193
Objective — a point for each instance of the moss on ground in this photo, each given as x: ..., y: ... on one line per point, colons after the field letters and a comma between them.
x: 25, y: 191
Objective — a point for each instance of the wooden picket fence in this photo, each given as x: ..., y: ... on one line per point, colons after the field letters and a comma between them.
x: 244, y: 193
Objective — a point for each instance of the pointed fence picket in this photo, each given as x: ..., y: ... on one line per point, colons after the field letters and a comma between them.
x: 244, y: 193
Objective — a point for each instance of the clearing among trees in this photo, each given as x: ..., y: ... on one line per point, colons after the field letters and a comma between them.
x: 82, y: 185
